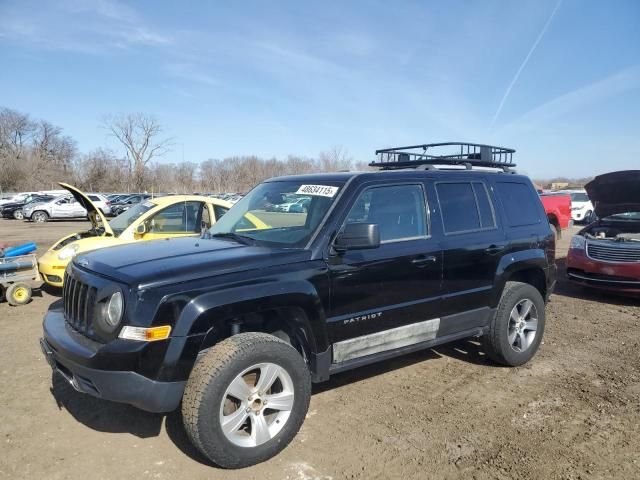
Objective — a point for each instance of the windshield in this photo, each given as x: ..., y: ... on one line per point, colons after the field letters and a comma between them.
x: 631, y: 216
x: 265, y: 215
x: 126, y: 218
x: 579, y: 197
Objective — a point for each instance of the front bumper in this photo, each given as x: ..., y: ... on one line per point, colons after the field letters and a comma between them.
x: 83, y: 363
x: 614, y: 277
x: 52, y: 268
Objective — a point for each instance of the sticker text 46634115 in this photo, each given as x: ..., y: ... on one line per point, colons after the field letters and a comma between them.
x: 317, y: 190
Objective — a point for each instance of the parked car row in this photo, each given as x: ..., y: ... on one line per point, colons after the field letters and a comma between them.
x: 41, y: 207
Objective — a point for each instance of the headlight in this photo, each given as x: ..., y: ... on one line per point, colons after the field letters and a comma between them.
x: 113, y: 311
x: 68, y: 252
x: 577, y: 242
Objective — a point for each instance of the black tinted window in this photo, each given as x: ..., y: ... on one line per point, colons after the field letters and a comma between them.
x: 458, y: 207
x: 398, y: 210
x: 521, y: 203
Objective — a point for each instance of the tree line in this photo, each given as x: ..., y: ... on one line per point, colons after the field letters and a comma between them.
x: 35, y: 155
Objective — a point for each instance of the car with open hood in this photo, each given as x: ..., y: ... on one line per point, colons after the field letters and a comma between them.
x: 164, y: 217
x: 606, y: 253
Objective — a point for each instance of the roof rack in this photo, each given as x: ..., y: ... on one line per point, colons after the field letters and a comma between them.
x: 450, y: 153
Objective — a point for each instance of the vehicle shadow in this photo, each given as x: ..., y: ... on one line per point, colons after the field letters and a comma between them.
x: 566, y: 288
x: 53, y: 291
x: 109, y: 417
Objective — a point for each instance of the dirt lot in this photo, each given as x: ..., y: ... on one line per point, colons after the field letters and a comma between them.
x: 573, y: 412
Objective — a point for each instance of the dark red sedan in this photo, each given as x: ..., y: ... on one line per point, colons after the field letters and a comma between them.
x: 606, y: 253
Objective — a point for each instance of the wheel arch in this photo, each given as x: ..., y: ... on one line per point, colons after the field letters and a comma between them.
x: 527, y: 266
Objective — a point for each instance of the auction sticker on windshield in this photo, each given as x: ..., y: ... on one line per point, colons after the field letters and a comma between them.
x: 318, y: 190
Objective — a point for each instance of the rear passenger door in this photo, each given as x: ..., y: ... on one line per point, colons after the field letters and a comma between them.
x: 472, y: 245
x: 393, y: 285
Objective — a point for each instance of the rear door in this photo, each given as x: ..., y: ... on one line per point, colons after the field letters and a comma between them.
x: 473, y: 242
x: 397, y: 284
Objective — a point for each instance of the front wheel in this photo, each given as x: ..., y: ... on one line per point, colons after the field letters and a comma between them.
x: 516, y: 330
x: 246, y: 399
x: 18, y: 215
x: 40, y: 217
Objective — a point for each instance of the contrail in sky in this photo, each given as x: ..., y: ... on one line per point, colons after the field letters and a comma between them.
x: 524, y: 64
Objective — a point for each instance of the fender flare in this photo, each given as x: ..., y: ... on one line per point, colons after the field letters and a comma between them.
x: 204, y: 312
x: 514, y: 262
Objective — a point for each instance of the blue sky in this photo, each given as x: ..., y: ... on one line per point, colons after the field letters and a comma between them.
x: 560, y: 82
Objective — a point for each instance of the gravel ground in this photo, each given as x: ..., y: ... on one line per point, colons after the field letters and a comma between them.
x: 572, y: 413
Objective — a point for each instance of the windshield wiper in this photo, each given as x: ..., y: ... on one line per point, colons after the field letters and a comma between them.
x: 233, y: 236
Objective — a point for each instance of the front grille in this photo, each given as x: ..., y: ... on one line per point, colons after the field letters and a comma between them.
x: 614, y: 253
x: 79, y: 304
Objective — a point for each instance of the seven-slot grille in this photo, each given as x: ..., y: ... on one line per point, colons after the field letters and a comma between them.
x: 79, y: 303
x: 614, y: 253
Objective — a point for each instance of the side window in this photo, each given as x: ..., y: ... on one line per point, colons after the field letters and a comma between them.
x: 521, y: 204
x: 183, y: 217
x: 219, y: 211
x: 465, y: 207
x: 398, y: 210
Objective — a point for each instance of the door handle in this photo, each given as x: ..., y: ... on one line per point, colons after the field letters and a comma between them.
x: 493, y: 249
x: 422, y: 259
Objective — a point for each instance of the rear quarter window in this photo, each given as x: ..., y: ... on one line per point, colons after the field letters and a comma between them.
x: 520, y: 202
x: 465, y: 207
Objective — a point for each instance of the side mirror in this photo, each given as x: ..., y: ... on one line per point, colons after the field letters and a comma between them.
x: 358, y: 236
x: 141, y: 229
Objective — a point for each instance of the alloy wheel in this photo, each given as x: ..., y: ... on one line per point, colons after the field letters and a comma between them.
x: 523, y: 324
x: 256, y: 405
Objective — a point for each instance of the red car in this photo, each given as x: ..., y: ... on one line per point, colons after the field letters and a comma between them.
x: 606, y: 253
x: 557, y: 206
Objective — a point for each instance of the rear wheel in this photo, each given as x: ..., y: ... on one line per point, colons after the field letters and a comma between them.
x: 516, y: 330
x: 18, y: 215
x: 246, y: 399
x: 40, y: 216
x: 18, y: 294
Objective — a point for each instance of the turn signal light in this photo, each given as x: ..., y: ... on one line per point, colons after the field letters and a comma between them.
x: 143, y: 334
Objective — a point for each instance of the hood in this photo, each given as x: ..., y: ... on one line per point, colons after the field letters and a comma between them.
x: 93, y: 212
x: 173, y: 260
x: 615, y: 192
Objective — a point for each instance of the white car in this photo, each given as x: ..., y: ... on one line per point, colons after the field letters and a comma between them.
x: 18, y: 197
x: 59, y: 208
x: 100, y: 201
x: 581, y: 207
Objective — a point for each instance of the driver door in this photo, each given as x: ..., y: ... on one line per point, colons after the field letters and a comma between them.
x: 395, y: 285
x: 62, y: 208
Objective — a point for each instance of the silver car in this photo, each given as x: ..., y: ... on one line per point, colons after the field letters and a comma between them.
x: 64, y: 207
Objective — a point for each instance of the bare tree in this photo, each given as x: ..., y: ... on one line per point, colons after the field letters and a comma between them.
x: 335, y: 159
x: 139, y: 135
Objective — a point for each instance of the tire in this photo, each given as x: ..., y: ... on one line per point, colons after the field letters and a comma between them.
x: 556, y: 232
x: 40, y: 216
x: 207, y: 399
x: 18, y: 294
x: 18, y: 215
x: 505, y: 343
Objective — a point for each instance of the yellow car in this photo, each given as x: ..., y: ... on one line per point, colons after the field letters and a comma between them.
x: 163, y: 217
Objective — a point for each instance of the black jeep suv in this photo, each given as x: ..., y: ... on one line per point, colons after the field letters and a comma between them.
x: 236, y: 325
